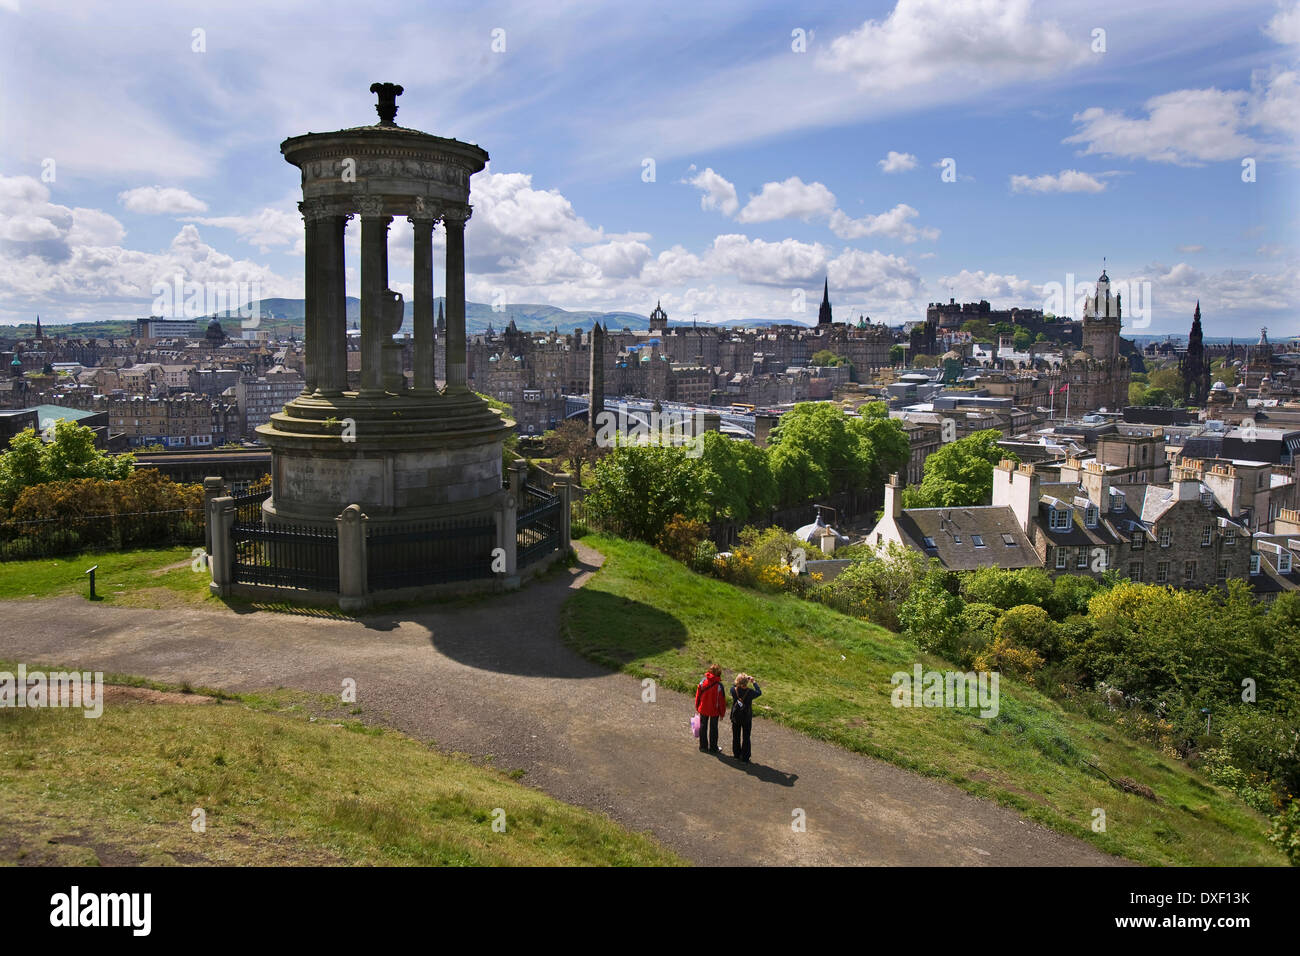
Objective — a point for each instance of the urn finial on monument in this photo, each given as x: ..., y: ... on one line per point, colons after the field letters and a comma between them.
x: 387, y: 105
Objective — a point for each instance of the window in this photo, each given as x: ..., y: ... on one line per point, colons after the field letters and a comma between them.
x: 1135, y: 571
x: 928, y: 541
x: 978, y: 539
x: 1090, y: 516
x: 1136, y: 541
x: 1189, y: 572
x: 1207, y: 535
x: 1116, y: 502
x: 1284, y: 562
x: 1062, y: 557
x: 1060, y: 519
x: 956, y: 539
x: 1221, y: 574
x: 1254, y: 563
x: 1166, y: 537
x: 1229, y: 536
x: 1162, y: 572
x: 1207, y: 498
x: 1009, y: 541
x: 1083, y: 558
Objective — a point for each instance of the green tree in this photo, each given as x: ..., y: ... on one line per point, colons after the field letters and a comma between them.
x: 736, y: 477
x: 1022, y: 340
x: 896, y: 354
x: 571, y: 444
x: 815, y: 452
x: 70, y: 453
x: 960, y: 473
x: 638, y: 489
x: 885, y: 441
x: 826, y: 357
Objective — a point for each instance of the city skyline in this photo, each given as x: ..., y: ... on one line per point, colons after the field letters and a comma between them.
x: 1062, y: 153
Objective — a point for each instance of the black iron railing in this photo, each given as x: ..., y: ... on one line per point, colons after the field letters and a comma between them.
x: 430, y: 552
x: 300, y: 557
x: 69, y: 534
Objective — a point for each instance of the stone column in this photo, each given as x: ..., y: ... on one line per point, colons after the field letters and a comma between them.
x: 422, y: 309
x: 352, y: 559
x: 454, y: 220
x: 332, y: 326
x: 374, y: 289
x: 311, y: 210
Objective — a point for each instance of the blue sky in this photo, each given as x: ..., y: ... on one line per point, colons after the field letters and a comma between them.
x: 773, y: 165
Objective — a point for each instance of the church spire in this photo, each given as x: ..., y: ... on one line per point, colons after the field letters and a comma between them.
x: 824, y: 313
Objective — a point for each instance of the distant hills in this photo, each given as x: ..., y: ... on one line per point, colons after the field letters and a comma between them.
x: 282, y: 317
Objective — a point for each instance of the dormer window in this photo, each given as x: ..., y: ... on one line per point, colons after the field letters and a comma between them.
x: 1059, y: 519
x: 1207, y: 498
x: 1284, y: 562
x: 1116, y: 503
x: 1090, y: 516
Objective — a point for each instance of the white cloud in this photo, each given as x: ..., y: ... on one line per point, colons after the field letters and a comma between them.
x: 1285, y: 25
x: 895, y: 223
x: 1066, y: 181
x: 954, y: 42
x: 784, y: 263
x: 618, y: 260
x: 161, y: 201
x: 267, y: 228
x: 790, y: 199
x: 1190, y: 127
x: 1005, y: 290
x: 719, y: 194
x: 897, y: 162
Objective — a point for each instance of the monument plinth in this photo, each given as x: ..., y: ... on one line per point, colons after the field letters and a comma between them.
x: 401, y: 451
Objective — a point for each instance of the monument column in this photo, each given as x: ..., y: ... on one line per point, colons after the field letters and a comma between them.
x: 454, y: 219
x: 332, y: 327
x: 311, y: 324
x: 374, y: 287
x: 422, y: 310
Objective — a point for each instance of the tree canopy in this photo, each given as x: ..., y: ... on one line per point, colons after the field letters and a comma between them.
x: 960, y: 473
x: 70, y: 453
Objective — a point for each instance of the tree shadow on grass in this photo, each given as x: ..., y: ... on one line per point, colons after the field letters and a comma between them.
x: 601, y: 632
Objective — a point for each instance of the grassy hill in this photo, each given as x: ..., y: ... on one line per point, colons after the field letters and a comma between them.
x: 828, y: 675
x: 122, y: 790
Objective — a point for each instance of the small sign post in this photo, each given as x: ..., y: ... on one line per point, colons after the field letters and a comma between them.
x: 91, y: 572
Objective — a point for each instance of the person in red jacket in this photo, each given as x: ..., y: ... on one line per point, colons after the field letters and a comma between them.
x: 710, y: 704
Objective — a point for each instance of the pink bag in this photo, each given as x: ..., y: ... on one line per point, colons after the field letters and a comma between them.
x: 695, y: 725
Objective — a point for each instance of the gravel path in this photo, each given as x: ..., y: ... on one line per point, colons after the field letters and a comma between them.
x: 492, y: 679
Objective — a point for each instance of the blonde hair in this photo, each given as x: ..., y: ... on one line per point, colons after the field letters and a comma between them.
x: 742, y: 680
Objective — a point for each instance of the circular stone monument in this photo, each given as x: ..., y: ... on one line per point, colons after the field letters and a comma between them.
x: 401, y: 451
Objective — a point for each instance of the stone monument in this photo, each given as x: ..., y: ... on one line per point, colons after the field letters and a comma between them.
x: 399, y: 450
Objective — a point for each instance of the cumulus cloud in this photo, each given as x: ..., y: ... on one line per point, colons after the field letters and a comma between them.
x: 719, y: 194
x: 896, y: 223
x: 1066, y: 181
x: 897, y: 162
x: 267, y: 228
x: 791, y: 199
x: 161, y: 201
x: 968, y: 42
x: 1285, y: 25
x: 1004, y: 290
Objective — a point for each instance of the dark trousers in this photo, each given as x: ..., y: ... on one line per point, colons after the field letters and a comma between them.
x: 740, y: 738
x: 708, y: 733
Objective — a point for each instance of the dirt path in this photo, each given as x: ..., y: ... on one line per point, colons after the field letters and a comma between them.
x: 494, y: 679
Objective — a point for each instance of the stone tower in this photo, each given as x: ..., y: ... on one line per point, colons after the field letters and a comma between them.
x: 1194, y: 365
x: 1102, y: 315
x: 658, y: 319
x: 596, y: 379
x: 824, y: 313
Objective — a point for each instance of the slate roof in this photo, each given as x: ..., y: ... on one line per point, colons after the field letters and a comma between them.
x: 953, y: 532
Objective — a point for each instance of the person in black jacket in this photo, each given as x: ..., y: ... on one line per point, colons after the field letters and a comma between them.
x: 743, y: 693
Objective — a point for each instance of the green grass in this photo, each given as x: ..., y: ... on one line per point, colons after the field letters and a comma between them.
x: 828, y: 675
x: 157, y: 578
x: 283, y: 781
